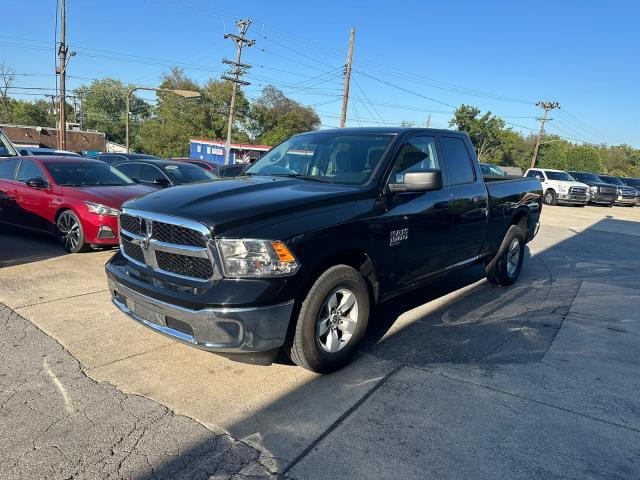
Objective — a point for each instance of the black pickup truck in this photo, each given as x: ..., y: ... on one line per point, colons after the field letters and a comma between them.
x: 296, y: 252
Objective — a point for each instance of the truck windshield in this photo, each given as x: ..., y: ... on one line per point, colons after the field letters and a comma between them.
x: 585, y: 177
x: 612, y: 180
x: 347, y: 158
x: 87, y: 174
x: 561, y: 176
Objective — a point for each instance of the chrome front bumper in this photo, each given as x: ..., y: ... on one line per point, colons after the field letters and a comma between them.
x: 222, y: 330
x: 625, y: 200
x: 570, y: 198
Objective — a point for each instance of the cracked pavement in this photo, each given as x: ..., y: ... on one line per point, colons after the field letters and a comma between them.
x: 461, y: 379
x: 59, y: 423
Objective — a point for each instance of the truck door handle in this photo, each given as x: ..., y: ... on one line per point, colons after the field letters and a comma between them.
x: 479, y: 200
x: 442, y: 205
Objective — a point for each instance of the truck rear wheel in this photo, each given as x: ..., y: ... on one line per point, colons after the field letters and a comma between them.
x: 332, y: 321
x: 504, y: 268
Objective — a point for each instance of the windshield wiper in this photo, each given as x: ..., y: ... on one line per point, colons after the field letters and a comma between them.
x: 303, y: 177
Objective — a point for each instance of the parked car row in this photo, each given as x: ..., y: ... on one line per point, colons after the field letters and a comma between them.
x: 580, y: 188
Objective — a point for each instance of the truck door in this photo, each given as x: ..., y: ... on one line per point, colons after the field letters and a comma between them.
x: 418, y: 223
x: 469, y: 201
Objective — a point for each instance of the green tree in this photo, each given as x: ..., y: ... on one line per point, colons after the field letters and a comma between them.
x: 36, y: 113
x: 585, y: 158
x: 103, y: 108
x: 274, y: 117
x: 486, y: 131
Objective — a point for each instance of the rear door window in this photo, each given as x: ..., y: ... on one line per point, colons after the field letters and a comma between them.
x: 8, y: 169
x: 459, y: 167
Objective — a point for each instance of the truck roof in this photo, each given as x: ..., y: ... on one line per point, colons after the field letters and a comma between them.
x: 383, y: 130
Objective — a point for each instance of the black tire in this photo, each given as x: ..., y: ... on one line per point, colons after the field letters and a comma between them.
x: 501, y: 270
x: 70, y: 233
x: 306, y: 348
x: 550, y: 197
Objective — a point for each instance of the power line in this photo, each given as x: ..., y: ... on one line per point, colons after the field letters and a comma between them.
x: 406, y: 89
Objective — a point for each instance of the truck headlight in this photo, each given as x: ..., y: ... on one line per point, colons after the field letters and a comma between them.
x: 563, y: 188
x: 594, y: 189
x: 100, y: 209
x: 249, y: 258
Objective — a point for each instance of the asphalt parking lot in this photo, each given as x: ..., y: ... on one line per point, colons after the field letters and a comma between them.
x: 460, y: 380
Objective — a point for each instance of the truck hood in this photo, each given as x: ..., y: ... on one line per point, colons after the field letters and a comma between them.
x: 110, y: 196
x: 569, y: 183
x: 229, y: 203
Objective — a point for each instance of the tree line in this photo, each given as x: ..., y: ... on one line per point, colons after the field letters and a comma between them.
x: 164, y: 128
x: 497, y: 144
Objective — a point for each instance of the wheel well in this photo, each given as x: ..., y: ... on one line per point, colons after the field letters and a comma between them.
x: 521, y: 219
x: 356, y: 259
x: 550, y: 190
x: 59, y: 212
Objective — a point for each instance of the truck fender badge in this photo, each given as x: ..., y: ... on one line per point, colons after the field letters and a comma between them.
x: 397, y: 236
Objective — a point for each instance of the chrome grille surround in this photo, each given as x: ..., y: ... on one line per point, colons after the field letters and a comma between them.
x: 578, y: 191
x: 187, y: 255
x: 627, y: 192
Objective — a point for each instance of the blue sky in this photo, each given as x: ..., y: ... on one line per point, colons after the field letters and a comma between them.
x: 501, y: 56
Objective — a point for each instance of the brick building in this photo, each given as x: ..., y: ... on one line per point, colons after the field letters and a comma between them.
x: 45, y: 137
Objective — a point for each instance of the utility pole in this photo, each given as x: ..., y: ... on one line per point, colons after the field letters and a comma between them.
x: 62, y: 71
x: 347, y: 78
x: 546, y: 106
x: 429, y: 121
x: 234, y: 75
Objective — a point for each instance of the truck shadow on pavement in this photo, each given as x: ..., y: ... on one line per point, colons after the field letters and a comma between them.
x: 18, y: 246
x: 459, y: 319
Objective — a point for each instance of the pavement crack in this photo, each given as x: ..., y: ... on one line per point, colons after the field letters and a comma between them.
x: 341, y: 419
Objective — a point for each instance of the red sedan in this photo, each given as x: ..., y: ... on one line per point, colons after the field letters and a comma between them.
x: 76, y: 199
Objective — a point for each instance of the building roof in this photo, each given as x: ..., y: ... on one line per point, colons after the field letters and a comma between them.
x: 77, y: 141
x: 237, y: 146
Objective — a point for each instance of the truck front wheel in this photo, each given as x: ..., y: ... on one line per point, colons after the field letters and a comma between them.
x: 332, y: 321
x: 504, y: 268
x: 550, y: 197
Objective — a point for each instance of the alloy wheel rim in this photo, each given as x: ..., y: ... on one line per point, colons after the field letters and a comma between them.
x: 68, y: 231
x: 337, y: 320
x: 513, y: 257
x: 549, y: 198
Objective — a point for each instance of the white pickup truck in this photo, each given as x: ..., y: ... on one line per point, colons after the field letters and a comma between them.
x: 560, y: 187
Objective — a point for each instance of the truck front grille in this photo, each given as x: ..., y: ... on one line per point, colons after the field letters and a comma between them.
x: 608, y: 190
x: 578, y: 191
x: 184, y: 265
x: 132, y: 250
x: 166, y: 232
x: 169, y: 245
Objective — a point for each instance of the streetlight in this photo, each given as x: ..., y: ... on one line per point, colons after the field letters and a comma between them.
x: 177, y: 91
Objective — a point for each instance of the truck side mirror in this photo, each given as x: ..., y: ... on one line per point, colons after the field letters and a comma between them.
x: 419, y: 181
x: 538, y: 177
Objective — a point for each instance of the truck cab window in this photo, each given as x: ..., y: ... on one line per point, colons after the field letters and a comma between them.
x: 459, y: 166
x: 417, y: 153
